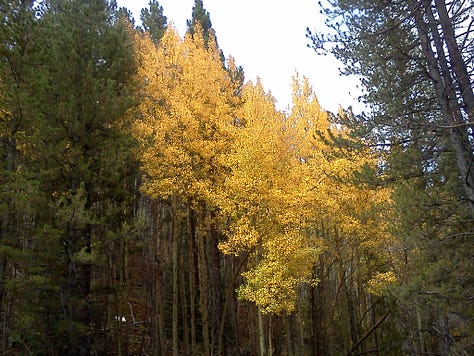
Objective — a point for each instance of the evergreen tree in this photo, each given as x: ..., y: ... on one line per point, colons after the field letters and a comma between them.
x: 201, y: 21
x: 125, y: 14
x: 414, y: 72
x: 413, y: 59
x: 200, y: 16
x: 75, y: 149
x: 153, y: 20
x: 20, y: 198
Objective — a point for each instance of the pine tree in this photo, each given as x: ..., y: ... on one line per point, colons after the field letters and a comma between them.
x: 413, y: 58
x: 200, y: 16
x: 424, y: 98
x: 19, y: 190
x: 80, y: 159
x: 153, y: 20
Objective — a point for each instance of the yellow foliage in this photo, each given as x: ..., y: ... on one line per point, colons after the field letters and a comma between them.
x: 242, y: 237
x: 273, y: 177
x: 263, y: 197
x: 286, y: 182
x: 379, y: 284
x: 185, y: 116
x: 287, y: 261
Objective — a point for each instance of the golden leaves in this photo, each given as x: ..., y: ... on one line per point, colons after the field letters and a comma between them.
x: 380, y: 283
x: 263, y: 196
x: 185, y: 115
x: 273, y: 177
x: 286, y: 182
x: 287, y: 262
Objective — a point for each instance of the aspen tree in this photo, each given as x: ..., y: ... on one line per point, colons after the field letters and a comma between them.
x: 349, y: 225
x: 185, y: 128
x: 260, y: 203
x: 284, y: 171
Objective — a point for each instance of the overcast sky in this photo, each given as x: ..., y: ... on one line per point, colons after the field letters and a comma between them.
x: 267, y: 38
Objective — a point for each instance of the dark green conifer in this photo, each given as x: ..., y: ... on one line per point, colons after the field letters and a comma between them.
x: 412, y: 58
x: 200, y: 15
x: 68, y: 168
x: 153, y: 20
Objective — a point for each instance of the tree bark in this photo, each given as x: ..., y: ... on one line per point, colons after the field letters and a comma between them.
x: 230, y: 291
x: 261, y: 334
x: 183, y: 292
x: 203, y: 283
x: 192, y: 274
x: 457, y: 138
x: 215, y: 284
x: 175, y: 242
x: 457, y: 61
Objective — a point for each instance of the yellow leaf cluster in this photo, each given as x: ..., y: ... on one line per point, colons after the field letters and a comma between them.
x: 272, y: 284
x: 286, y: 182
x: 380, y: 283
x: 185, y: 116
x: 272, y: 177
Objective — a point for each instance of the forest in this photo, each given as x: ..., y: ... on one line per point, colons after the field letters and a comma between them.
x: 155, y: 202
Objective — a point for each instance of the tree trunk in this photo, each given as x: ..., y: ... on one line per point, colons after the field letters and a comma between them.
x: 261, y: 333
x: 192, y: 274
x: 289, y: 348
x: 458, y: 64
x: 175, y: 242
x: 203, y: 283
x: 215, y: 284
x: 270, y: 336
x: 183, y: 293
x: 459, y: 131
x: 158, y: 338
x: 228, y: 297
x: 449, y: 111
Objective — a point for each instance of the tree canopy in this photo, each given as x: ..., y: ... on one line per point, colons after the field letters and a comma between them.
x: 153, y: 201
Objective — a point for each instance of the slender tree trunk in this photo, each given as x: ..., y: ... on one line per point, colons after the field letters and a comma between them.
x: 3, y: 311
x: 215, y: 284
x: 370, y: 304
x: 125, y: 288
x: 203, y: 283
x: 175, y: 242
x: 228, y: 298
x: 183, y: 293
x: 419, y: 324
x: 5, y: 228
x: 300, y: 326
x: 457, y: 61
x: 118, y: 325
x: 152, y: 269
x: 270, y: 336
x: 192, y: 275
x: 348, y: 287
x: 158, y: 338
x: 289, y: 348
x: 261, y: 333
x: 314, y: 324
x: 366, y: 335
x: 460, y: 130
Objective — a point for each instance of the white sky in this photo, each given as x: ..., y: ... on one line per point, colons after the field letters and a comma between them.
x: 267, y: 38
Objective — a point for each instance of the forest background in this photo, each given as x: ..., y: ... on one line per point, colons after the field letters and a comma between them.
x: 154, y: 202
